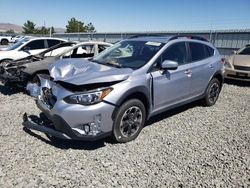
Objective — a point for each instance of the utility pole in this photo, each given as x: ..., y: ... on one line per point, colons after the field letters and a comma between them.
x: 44, y: 32
x: 50, y: 31
x: 78, y: 29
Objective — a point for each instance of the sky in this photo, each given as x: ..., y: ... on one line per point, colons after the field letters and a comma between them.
x: 131, y: 15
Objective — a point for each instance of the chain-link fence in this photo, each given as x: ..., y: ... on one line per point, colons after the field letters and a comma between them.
x: 225, y: 40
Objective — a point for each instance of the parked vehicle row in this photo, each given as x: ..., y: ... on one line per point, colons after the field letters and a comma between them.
x: 28, y: 46
x: 117, y: 91
x: 24, y: 71
x: 6, y: 39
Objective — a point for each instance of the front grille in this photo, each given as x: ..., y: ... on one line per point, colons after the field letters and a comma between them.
x: 242, y: 68
x: 48, y: 98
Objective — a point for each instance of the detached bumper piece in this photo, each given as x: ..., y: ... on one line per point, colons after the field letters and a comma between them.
x: 5, y: 78
x: 29, y: 124
x: 66, y: 132
x: 20, y: 79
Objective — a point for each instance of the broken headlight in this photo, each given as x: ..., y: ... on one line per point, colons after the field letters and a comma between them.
x: 88, y: 98
x: 228, y: 65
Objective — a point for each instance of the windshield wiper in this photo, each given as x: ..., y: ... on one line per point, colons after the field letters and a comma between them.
x: 114, y: 65
x: 108, y: 64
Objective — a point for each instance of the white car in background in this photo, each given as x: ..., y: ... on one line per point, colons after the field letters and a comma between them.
x: 5, y: 40
x: 28, y: 46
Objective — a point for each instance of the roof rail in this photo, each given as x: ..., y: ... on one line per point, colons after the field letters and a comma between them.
x: 147, y: 35
x: 173, y: 37
x: 187, y: 36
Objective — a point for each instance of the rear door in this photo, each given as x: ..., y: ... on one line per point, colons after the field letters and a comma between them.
x: 203, y: 66
x: 53, y: 42
x: 171, y: 86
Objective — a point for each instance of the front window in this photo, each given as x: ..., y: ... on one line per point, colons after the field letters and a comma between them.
x: 129, y: 54
x: 82, y: 51
x: 18, y: 44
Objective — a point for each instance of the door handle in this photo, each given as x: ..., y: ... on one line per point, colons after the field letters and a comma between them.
x: 188, y: 72
x: 211, y: 66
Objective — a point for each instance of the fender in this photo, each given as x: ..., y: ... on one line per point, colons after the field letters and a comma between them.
x: 137, y: 92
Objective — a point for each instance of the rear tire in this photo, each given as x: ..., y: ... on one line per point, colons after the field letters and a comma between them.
x: 129, y: 121
x: 212, y: 92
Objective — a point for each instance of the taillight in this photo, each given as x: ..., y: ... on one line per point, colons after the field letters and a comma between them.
x: 223, y: 61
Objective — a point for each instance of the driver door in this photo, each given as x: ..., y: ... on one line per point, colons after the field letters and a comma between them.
x: 171, y: 86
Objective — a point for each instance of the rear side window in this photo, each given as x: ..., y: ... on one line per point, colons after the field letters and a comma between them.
x: 197, y: 51
x: 200, y: 51
x: 52, y: 42
x: 35, y: 45
x: 209, y: 50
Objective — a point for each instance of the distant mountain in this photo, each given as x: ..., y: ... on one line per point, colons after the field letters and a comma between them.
x: 7, y: 26
x: 18, y: 29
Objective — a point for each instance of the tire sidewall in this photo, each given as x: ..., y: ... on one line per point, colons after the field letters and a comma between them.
x: 207, y: 101
x: 116, y: 127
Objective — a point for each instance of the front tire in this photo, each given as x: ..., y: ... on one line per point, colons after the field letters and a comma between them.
x: 129, y: 121
x: 4, y: 42
x: 212, y: 92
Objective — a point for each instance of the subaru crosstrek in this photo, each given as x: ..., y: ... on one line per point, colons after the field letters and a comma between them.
x: 116, y: 92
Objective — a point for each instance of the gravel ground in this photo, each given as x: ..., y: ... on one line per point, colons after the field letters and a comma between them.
x: 191, y: 146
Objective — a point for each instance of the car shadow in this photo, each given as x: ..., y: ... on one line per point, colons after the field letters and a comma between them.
x: 237, y: 83
x: 68, y: 144
x: 172, y: 112
x: 9, y: 90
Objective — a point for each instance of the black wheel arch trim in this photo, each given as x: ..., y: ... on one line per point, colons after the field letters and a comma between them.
x: 141, y: 90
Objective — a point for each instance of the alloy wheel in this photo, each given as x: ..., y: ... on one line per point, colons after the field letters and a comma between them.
x: 131, y: 121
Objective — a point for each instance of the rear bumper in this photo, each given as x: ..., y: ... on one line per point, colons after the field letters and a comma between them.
x: 237, y: 74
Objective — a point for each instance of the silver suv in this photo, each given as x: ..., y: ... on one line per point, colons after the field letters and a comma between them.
x: 117, y: 91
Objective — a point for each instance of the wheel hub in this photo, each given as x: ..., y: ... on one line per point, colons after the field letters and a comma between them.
x: 131, y: 121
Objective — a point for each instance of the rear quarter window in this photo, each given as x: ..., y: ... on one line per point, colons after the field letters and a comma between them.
x: 199, y: 51
x: 209, y: 51
x: 52, y: 42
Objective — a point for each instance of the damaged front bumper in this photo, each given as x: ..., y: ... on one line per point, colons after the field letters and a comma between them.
x: 51, y: 131
x: 13, y: 75
x: 70, y: 121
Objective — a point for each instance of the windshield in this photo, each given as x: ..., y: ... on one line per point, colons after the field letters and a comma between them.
x: 245, y: 51
x: 129, y: 54
x: 16, y: 45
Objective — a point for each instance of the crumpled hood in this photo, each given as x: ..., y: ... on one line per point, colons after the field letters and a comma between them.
x: 81, y: 71
x: 241, y: 60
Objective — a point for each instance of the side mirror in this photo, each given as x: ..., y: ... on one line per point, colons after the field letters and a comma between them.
x: 169, y: 65
x: 26, y: 49
x: 233, y: 52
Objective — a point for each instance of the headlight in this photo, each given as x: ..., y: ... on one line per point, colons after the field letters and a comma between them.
x: 228, y: 65
x: 88, y: 98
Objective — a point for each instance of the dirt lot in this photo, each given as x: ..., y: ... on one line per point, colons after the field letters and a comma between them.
x: 187, y: 147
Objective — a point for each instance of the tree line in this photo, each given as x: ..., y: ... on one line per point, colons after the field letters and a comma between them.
x: 73, y: 26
